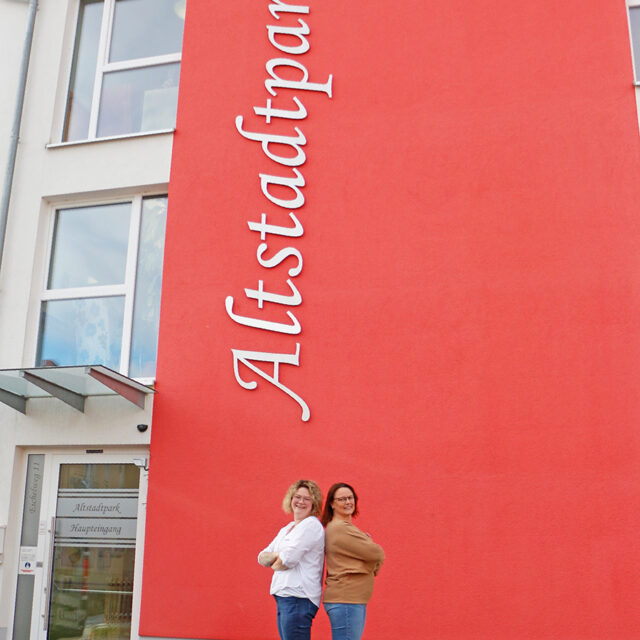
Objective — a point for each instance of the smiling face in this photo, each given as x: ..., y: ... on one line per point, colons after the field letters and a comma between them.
x: 343, y: 504
x: 301, y: 504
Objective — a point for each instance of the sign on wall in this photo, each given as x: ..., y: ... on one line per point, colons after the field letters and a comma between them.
x: 390, y: 261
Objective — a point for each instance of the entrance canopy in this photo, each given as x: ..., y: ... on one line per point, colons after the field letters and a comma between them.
x: 72, y: 385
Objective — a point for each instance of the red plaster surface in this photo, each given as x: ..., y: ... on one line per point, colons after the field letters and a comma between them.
x: 470, y: 345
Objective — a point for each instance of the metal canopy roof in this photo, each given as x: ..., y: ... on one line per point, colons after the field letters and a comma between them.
x: 69, y: 384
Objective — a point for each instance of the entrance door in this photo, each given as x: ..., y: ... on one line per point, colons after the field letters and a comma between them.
x: 89, y: 518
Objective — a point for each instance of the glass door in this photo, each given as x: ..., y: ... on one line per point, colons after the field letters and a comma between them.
x: 93, y: 557
x: 76, y: 580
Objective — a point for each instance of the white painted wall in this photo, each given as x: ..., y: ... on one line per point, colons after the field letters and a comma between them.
x: 48, y: 174
x: 12, y: 28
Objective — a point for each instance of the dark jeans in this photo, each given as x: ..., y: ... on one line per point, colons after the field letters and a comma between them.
x: 295, y: 616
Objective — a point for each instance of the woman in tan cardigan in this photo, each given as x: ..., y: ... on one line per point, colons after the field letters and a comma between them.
x: 353, y: 559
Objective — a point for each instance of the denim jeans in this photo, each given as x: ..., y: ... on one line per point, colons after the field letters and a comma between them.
x: 347, y: 620
x: 295, y: 616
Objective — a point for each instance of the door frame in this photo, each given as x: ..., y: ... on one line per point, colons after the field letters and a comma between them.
x: 53, y: 458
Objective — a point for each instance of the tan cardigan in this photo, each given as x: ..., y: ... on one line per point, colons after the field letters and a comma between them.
x: 353, y: 559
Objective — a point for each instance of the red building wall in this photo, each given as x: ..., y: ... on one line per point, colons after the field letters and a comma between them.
x: 469, y: 344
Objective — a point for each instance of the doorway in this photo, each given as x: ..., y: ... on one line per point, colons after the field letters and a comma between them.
x: 84, y: 565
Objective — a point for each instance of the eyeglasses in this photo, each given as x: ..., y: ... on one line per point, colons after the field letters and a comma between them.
x: 346, y: 499
x: 303, y: 498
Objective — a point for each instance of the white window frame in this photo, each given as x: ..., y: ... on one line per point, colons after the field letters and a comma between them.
x: 103, y: 66
x: 126, y: 289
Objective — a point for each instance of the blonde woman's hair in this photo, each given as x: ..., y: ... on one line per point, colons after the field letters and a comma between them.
x: 314, y: 490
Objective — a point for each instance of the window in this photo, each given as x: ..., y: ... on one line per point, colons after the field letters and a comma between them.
x: 101, y: 303
x: 634, y: 29
x: 126, y: 67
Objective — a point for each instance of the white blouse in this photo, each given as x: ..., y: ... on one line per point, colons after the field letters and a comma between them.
x: 301, y: 548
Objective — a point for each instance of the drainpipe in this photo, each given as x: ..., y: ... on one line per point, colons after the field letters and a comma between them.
x: 17, y: 117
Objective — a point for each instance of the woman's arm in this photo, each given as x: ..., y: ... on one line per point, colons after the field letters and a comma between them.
x: 278, y: 565
x: 357, y: 544
x: 267, y: 558
x: 308, y: 535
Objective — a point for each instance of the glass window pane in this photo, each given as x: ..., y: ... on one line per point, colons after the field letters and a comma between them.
x: 83, y: 71
x: 90, y: 246
x: 139, y: 100
x: 145, y: 28
x: 82, y: 331
x: 94, y: 552
x: 146, y: 309
x: 24, y: 607
x: 99, y: 476
x: 634, y: 20
x: 91, y: 593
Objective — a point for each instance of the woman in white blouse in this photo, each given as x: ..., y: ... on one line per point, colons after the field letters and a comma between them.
x: 296, y: 556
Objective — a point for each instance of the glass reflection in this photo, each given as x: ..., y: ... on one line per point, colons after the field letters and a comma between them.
x: 99, y: 476
x: 91, y: 593
x: 83, y: 71
x: 81, y: 331
x: 90, y: 246
x: 139, y: 100
x: 634, y: 21
x: 146, y: 308
x: 145, y: 28
x: 92, y: 578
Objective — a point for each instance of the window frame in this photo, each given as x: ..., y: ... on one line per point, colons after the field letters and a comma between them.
x: 126, y: 289
x: 103, y: 66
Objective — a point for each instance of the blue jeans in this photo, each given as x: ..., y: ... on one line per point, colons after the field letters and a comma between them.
x: 347, y: 620
x: 295, y: 616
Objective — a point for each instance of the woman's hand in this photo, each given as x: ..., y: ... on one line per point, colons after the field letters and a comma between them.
x: 267, y: 558
x: 278, y: 565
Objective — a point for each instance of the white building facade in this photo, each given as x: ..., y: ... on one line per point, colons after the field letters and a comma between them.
x: 80, y: 286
